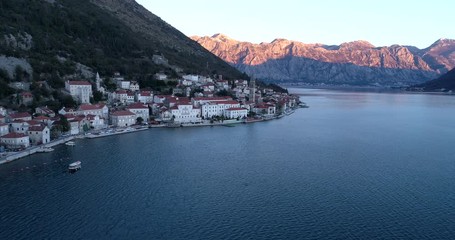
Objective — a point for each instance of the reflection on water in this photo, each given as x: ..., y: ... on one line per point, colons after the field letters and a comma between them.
x: 355, y: 165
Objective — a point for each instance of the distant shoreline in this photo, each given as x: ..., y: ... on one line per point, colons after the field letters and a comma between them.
x: 370, y: 89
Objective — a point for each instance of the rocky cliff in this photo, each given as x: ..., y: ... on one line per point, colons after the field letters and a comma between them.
x: 352, y: 63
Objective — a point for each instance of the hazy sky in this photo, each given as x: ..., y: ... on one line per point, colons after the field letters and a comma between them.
x: 385, y: 22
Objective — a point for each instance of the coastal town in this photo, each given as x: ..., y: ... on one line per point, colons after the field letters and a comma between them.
x: 194, y: 101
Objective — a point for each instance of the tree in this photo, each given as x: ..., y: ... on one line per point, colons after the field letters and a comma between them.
x: 97, y: 96
x: 65, y: 124
x: 139, y: 120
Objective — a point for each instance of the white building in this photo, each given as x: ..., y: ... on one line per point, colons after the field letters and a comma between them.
x: 45, y: 111
x: 129, y: 97
x: 123, y: 118
x: 217, y: 108
x: 235, y: 113
x: 2, y: 111
x: 159, y: 98
x: 193, y: 78
x: 124, y: 84
x: 140, y: 110
x: 144, y: 96
x: 96, y: 122
x: 222, y: 84
x: 39, y: 135
x: 19, y: 126
x: 81, y: 91
x: 15, y: 140
x: 134, y: 86
x: 265, y: 109
x: 160, y: 76
x: 96, y: 109
x: 122, y: 96
x: 65, y: 111
x: 4, y: 129
x: 185, y: 113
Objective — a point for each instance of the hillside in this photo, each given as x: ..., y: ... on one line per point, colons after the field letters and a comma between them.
x: 444, y: 83
x: 353, y: 63
x: 52, y: 40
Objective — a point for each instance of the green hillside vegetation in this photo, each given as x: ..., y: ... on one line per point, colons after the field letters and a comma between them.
x: 444, y: 83
x: 85, y: 33
x: 65, y: 33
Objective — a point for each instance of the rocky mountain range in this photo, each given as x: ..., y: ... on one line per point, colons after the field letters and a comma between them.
x: 352, y: 63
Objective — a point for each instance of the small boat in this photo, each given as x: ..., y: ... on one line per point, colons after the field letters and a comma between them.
x: 45, y: 149
x: 73, y: 167
x: 70, y: 143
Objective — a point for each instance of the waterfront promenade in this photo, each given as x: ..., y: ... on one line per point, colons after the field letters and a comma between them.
x: 6, y: 157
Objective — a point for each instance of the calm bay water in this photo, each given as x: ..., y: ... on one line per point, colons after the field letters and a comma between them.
x: 354, y: 165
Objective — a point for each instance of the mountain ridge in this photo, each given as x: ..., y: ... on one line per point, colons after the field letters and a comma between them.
x: 285, y: 60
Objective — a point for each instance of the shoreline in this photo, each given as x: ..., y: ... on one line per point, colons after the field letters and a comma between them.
x: 8, y: 157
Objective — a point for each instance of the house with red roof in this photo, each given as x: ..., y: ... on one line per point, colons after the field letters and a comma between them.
x: 96, y: 122
x: 25, y: 116
x: 144, y: 97
x: 15, y: 140
x: 19, y: 126
x: 26, y: 98
x: 123, y: 118
x: 45, y: 111
x: 45, y: 120
x: 140, y: 110
x: 265, y: 109
x: 39, y: 134
x: 94, y: 109
x: 65, y: 111
x: 78, y: 123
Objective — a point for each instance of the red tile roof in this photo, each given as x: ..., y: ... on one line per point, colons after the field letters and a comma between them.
x: 137, y: 106
x: 235, y: 109
x: 122, y: 113
x: 20, y: 115
x: 41, y: 118
x: 212, y: 98
x: 36, y: 128
x: 27, y: 94
x: 15, y: 135
x: 228, y: 102
x: 86, y: 107
x: 33, y: 122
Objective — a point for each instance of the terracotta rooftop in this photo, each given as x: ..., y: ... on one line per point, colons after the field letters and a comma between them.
x: 36, y: 128
x: 85, y: 107
x: 122, y: 113
x: 15, y: 135
x: 20, y: 115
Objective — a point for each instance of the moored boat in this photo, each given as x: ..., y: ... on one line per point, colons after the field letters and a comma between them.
x: 73, y: 167
x: 70, y: 143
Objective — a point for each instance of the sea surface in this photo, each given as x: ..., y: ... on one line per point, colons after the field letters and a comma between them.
x: 355, y: 165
